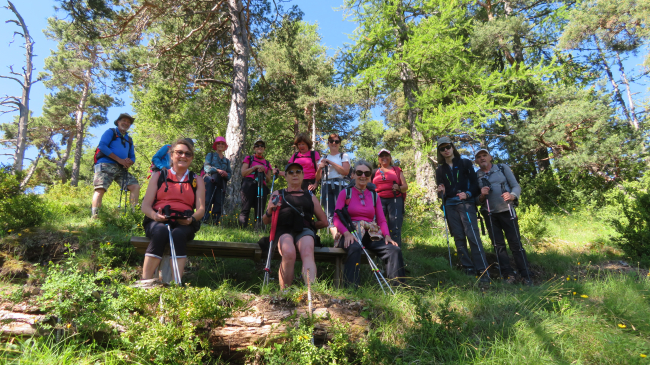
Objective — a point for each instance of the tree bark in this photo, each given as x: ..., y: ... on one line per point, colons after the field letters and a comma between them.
x: 32, y: 169
x: 236, y: 130
x: 313, y: 120
x: 610, y: 76
x: 543, y: 162
x: 635, y: 120
x: 64, y: 159
x: 23, y: 121
x: 424, y: 173
x: 81, y: 129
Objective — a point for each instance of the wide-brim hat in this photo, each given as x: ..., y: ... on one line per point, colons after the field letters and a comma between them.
x: 219, y: 139
x: 124, y: 115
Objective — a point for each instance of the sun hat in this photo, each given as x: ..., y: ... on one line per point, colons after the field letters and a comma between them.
x: 219, y: 139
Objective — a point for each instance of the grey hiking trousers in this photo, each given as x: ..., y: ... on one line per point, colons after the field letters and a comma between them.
x: 463, y: 230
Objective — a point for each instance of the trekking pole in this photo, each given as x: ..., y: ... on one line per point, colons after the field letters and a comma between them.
x: 515, y: 223
x: 258, y: 216
x: 119, y: 203
x: 444, y: 213
x: 493, y: 238
x: 274, y: 223
x: 177, y: 275
x: 327, y: 196
x: 211, y: 204
x: 478, y: 243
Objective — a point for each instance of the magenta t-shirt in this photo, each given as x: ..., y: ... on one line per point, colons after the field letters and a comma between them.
x: 257, y: 161
x: 304, y: 159
x: 360, y: 213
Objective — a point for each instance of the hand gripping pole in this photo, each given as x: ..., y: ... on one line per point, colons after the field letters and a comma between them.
x: 274, y: 223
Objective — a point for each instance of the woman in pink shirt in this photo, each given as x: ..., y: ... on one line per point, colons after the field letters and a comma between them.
x: 308, y: 160
x: 362, y: 208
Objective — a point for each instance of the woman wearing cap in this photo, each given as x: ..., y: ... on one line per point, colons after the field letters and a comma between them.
x: 391, y: 186
x: 217, y: 173
x: 332, y: 168
x: 296, y: 230
x: 252, y: 166
x: 458, y: 187
x: 362, y: 208
x: 307, y: 159
x: 180, y: 195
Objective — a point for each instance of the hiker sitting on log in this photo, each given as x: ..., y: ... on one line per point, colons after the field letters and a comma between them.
x: 174, y: 202
x: 296, y: 230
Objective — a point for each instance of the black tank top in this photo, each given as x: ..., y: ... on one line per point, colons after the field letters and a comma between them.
x: 293, y: 204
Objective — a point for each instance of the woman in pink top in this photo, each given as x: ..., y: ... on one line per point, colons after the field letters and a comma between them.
x: 179, y: 194
x: 308, y: 160
x: 362, y: 208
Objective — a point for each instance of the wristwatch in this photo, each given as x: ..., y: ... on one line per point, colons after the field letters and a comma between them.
x: 193, y: 219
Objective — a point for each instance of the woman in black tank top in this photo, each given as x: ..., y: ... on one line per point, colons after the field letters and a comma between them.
x: 295, y: 229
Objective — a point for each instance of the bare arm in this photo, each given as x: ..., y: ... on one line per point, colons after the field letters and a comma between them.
x: 320, y: 214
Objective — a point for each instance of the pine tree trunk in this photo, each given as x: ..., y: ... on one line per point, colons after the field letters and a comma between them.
x: 81, y: 128
x: 64, y: 159
x: 635, y: 120
x: 23, y: 106
x: 32, y: 169
x: 610, y: 76
x: 236, y: 131
x: 424, y: 173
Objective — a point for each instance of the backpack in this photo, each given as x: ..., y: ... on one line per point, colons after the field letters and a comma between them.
x: 163, y: 179
x: 202, y: 172
x: 251, y: 158
x: 313, y: 159
x: 99, y: 154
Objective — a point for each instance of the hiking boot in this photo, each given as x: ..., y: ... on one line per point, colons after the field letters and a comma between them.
x: 469, y: 271
x: 510, y: 279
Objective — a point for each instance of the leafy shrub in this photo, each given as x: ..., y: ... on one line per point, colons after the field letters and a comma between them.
x: 17, y: 209
x: 634, y: 230
x: 533, y: 224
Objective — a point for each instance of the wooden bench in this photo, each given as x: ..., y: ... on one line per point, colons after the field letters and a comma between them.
x: 243, y: 250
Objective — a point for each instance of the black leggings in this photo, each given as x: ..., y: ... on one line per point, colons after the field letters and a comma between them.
x: 394, y: 213
x: 390, y: 254
x: 249, y: 200
x: 502, y: 223
x: 159, y: 234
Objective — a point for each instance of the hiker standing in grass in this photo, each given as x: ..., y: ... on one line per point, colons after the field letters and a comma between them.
x: 391, y: 187
x: 308, y: 160
x: 174, y: 198
x: 113, y: 157
x: 333, y: 168
x: 296, y: 230
x: 457, y: 187
x: 499, y: 188
x: 364, y: 208
x: 253, y: 165
x: 217, y: 173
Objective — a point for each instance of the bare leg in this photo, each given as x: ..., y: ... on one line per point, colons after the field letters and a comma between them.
x: 97, y: 198
x: 149, y: 266
x: 306, y: 248
x: 135, y: 194
x: 288, y: 253
x: 333, y: 231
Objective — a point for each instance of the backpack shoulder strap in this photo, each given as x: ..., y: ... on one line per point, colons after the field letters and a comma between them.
x: 348, y: 194
x: 293, y: 159
x: 162, y: 178
x: 313, y: 160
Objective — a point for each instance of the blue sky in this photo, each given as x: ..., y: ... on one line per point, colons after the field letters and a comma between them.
x: 333, y: 28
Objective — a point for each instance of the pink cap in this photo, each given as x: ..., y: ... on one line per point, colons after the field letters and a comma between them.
x: 382, y: 151
x: 219, y: 139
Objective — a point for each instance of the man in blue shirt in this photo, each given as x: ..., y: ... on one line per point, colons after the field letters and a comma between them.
x: 114, y: 155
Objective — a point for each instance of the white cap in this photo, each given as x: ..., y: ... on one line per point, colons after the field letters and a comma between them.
x: 481, y: 150
x: 382, y: 151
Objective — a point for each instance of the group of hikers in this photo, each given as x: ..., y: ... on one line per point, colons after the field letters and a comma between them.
x: 362, y: 207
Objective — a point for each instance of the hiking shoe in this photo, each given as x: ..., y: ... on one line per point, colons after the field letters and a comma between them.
x: 94, y: 216
x: 469, y: 271
x: 510, y: 279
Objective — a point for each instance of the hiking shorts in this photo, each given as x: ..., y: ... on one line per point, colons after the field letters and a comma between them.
x: 106, y: 173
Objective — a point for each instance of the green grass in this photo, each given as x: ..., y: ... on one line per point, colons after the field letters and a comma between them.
x: 441, y: 316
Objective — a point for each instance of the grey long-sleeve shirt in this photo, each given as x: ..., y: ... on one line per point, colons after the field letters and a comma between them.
x: 501, y: 183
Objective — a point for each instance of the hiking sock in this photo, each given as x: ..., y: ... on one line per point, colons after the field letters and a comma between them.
x: 94, y: 211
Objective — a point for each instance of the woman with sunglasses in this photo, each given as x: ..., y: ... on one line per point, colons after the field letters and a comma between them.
x: 458, y: 187
x: 176, y: 198
x: 391, y: 186
x: 217, y: 173
x: 296, y: 229
x: 362, y: 208
x: 307, y: 159
x: 332, y: 168
x: 252, y: 166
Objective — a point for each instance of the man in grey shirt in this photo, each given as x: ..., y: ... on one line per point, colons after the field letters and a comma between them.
x: 499, y: 191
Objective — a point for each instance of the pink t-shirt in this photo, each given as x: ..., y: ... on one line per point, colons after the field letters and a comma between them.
x: 360, y: 213
x: 257, y: 161
x: 304, y: 159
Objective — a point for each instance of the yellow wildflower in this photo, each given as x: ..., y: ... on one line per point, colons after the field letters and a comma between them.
x: 574, y: 293
x: 19, y: 234
x: 9, y: 231
x: 69, y: 325
x: 584, y: 296
x: 644, y: 355
x: 621, y: 325
x: 568, y: 278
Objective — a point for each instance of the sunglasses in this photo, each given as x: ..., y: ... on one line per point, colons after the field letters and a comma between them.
x: 359, y: 173
x: 259, y: 145
x: 335, y: 141
x: 444, y: 148
x: 184, y: 153
x: 294, y: 172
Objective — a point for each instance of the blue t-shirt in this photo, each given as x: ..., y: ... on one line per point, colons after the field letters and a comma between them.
x: 161, y: 158
x: 120, y: 146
